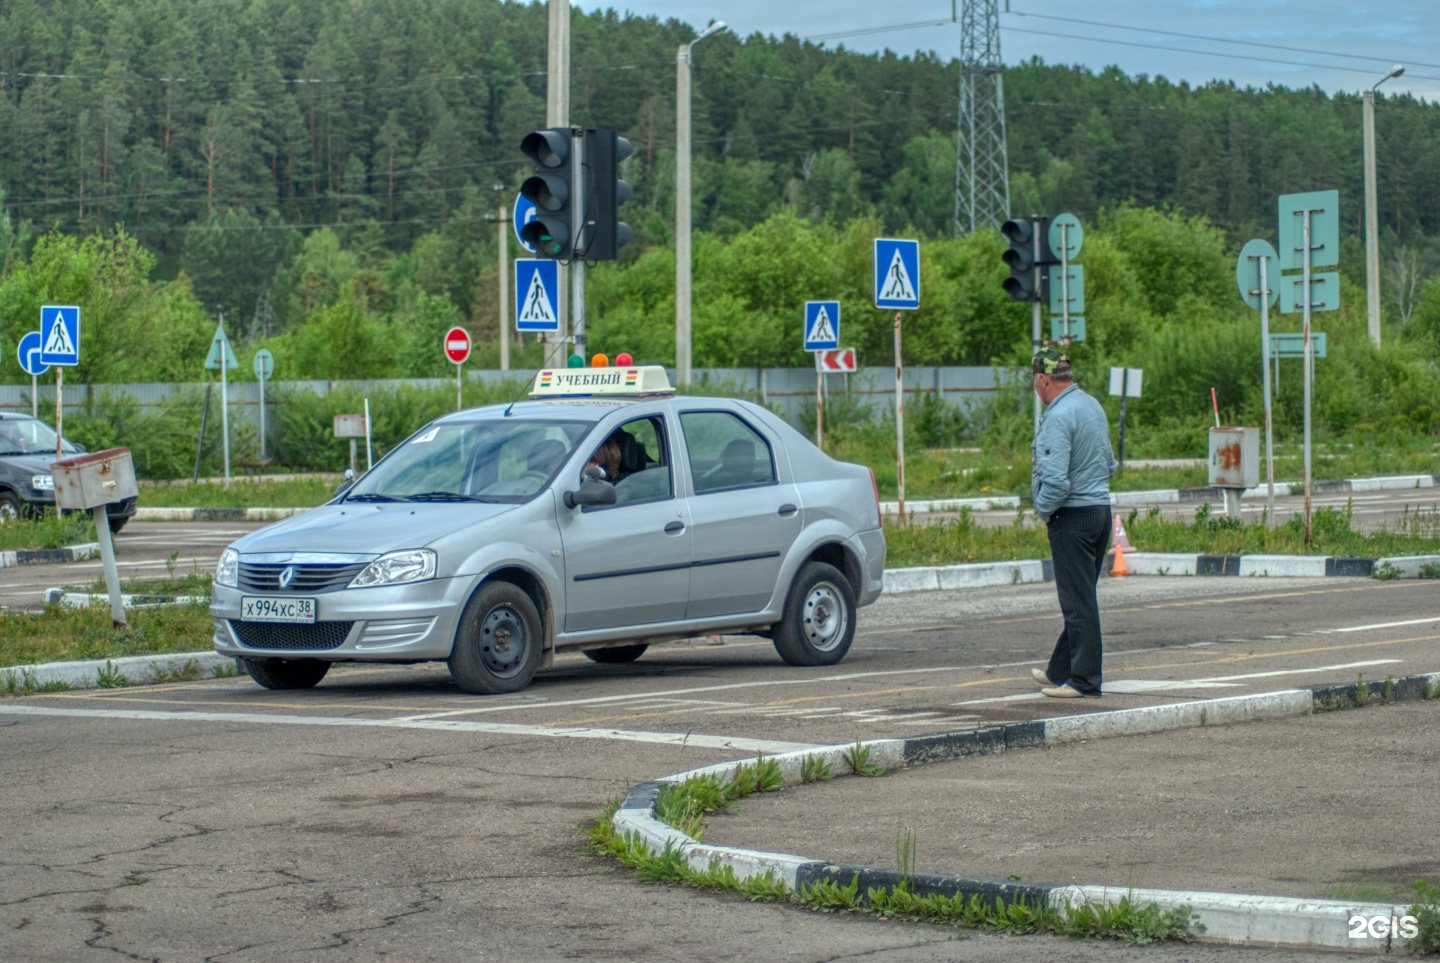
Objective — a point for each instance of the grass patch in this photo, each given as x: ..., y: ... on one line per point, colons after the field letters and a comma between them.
x: 1123, y: 920
x: 271, y: 491
x: 49, y: 530
x: 58, y: 634
x: 1426, y: 910
x: 952, y: 541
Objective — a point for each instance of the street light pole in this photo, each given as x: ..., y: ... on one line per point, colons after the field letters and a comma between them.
x: 1372, y: 219
x: 682, y: 204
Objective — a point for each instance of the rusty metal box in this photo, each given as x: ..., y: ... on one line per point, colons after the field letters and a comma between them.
x: 95, y: 479
x: 350, y: 426
x: 1235, y: 457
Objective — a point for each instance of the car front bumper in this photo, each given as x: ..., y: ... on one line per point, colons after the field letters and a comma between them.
x: 397, y: 623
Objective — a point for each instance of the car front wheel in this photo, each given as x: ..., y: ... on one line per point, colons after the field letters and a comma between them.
x: 498, y: 646
x: 9, y: 507
x: 282, y: 674
x: 819, y: 620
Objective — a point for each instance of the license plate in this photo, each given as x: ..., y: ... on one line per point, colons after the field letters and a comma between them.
x: 272, y: 608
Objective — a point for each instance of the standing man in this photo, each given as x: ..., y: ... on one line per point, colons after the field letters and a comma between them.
x: 1070, y: 488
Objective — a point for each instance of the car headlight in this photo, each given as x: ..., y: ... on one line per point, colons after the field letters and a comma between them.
x: 395, y: 568
x: 228, y: 568
x: 43, y: 483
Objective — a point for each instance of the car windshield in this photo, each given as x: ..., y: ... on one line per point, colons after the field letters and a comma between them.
x: 28, y: 436
x: 503, y: 460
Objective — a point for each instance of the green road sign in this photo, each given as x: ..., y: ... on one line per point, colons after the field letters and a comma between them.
x: 1074, y: 289
x: 264, y: 364
x: 1247, y: 272
x: 1057, y: 328
x: 220, y: 351
x: 1324, y: 293
x: 1293, y: 345
x: 1068, y: 226
x: 1324, y: 208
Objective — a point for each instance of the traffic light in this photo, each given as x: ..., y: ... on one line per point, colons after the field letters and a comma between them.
x: 552, y: 232
x: 604, y: 193
x: 1029, y: 250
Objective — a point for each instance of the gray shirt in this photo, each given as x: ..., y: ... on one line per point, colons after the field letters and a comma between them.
x: 1072, y: 458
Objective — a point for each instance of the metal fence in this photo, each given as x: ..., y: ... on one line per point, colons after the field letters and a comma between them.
x: 791, y: 390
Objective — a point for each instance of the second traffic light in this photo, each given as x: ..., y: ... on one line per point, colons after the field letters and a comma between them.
x: 553, y: 231
x: 1029, y: 251
x: 604, y: 193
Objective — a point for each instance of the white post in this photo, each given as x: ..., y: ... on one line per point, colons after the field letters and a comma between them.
x: 459, y: 388
x: 557, y: 114
x: 112, y: 572
x: 369, y: 459
x: 262, y: 415
x: 899, y: 421
x: 59, y: 408
x: 1308, y: 349
x: 682, y: 216
x: 504, y: 294
x: 1265, y: 375
x: 225, y: 413
x: 1065, y: 282
x: 34, y: 396
x: 819, y: 402
x: 1372, y: 229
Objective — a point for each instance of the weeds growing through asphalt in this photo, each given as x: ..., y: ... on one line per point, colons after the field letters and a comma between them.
x: 857, y: 757
x: 815, y: 769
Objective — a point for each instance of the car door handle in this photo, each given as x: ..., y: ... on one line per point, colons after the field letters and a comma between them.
x: 673, y: 527
x: 788, y: 509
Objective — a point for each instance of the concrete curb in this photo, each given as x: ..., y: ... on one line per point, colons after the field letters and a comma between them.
x: 49, y: 556
x: 108, y: 673
x: 79, y: 600
x: 216, y: 514
x: 1267, y: 921
x: 1166, y: 496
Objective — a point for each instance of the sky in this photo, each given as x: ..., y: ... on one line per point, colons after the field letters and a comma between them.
x: 1339, y: 45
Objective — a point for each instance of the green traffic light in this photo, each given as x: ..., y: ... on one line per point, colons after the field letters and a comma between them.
x: 575, y: 361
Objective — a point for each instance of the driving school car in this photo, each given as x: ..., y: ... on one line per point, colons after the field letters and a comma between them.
x: 491, y: 539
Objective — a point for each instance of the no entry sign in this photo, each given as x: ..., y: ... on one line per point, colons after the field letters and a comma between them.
x: 457, y: 345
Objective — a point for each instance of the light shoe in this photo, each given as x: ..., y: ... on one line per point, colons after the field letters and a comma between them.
x: 1066, y: 692
x: 1041, y: 679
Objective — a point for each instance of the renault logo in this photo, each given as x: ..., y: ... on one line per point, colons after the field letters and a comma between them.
x: 287, y: 575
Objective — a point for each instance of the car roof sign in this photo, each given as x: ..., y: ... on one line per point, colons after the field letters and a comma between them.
x: 632, y: 381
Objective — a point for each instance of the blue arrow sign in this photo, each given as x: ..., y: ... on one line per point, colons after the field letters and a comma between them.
x: 537, y: 295
x: 822, y: 325
x: 897, y: 274
x: 29, y: 352
x: 60, y: 335
x: 524, y: 214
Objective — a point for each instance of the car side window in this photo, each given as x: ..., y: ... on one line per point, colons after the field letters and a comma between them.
x: 644, y: 473
x: 725, y: 452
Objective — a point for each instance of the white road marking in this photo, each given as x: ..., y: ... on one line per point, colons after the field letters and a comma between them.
x: 1381, y: 625
x: 489, y: 728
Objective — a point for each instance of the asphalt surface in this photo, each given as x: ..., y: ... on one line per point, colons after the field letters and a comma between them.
x: 385, y: 815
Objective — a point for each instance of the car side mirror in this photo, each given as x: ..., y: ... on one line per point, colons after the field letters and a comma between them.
x: 344, y: 486
x: 594, y: 491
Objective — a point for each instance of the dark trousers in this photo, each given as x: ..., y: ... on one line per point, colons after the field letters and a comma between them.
x: 1078, y: 540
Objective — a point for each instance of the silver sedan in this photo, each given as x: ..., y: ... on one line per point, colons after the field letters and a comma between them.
x: 495, y: 537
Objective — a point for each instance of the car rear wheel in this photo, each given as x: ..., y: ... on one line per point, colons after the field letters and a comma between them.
x: 616, y: 653
x: 9, y: 507
x: 282, y: 674
x: 498, y: 646
x: 819, y: 620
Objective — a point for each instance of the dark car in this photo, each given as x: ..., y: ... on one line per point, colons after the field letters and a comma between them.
x: 27, y: 449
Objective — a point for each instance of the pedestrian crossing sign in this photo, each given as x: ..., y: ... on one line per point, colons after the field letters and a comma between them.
x: 60, y: 335
x: 537, y: 295
x: 822, y: 325
x: 897, y: 274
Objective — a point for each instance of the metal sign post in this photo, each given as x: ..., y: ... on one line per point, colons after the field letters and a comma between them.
x: 896, y: 274
x: 1252, y: 272
x: 59, y: 346
x: 1124, y: 382
x: 264, y: 365
x: 899, y: 422
x: 819, y: 403
x: 821, y: 334
x: 222, y: 357
x: 1309, y: 364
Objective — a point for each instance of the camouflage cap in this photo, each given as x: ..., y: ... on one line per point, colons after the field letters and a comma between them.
x: 1050, y: 361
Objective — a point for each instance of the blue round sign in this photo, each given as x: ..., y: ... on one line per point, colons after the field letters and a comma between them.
x: 29, y: 352
x: 524, y: 214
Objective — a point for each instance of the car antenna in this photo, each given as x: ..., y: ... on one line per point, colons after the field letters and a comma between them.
x: 524, y: 388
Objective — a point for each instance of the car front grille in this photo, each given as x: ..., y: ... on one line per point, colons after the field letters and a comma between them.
x: 273, y: 635
x: 255, y: 577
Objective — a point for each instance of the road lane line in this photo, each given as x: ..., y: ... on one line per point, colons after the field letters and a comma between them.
x: 488, y: 728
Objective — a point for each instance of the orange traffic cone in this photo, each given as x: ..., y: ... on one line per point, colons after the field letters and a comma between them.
x: 1118, y: 537
x: 1117, y: 568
